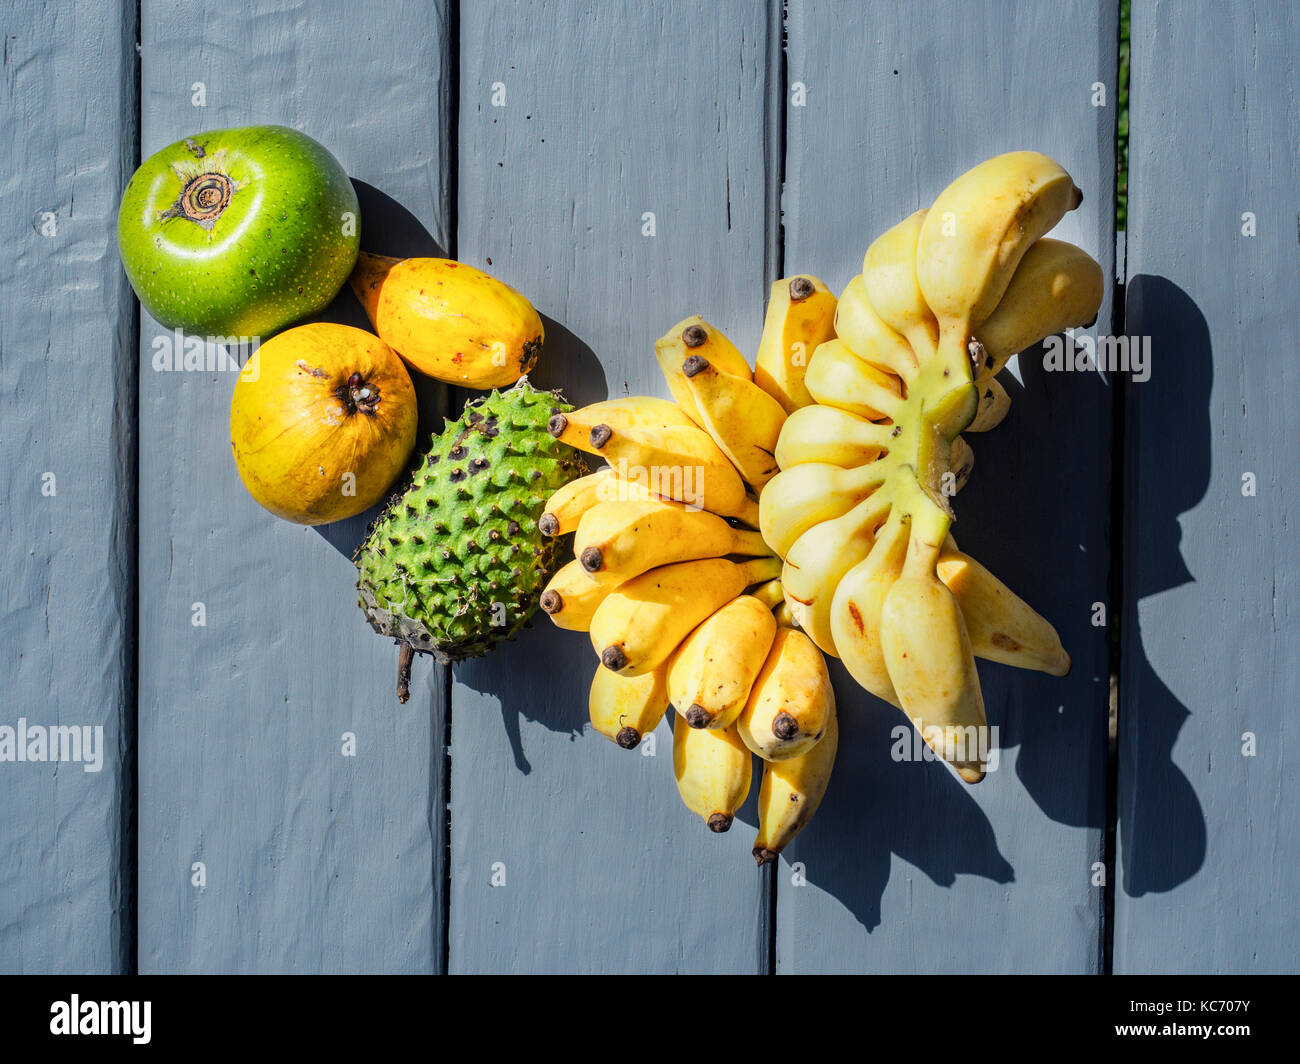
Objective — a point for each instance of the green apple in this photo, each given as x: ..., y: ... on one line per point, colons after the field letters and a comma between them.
x: 238, y: 232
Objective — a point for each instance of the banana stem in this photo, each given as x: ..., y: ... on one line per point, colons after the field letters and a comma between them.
x: 929, y: 530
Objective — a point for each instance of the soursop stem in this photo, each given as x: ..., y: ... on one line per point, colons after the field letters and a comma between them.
x: 404, y: 659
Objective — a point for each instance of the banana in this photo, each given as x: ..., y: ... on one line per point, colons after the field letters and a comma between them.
x: 565, y: 508
x: 805, y: 495
x: 993, y: 406
x: 619, y: 540
x: 643, y: 621
x: 713, y: 769
x: 867, y: 335
x: 961, y: 460
x: 791, y: 700
x: 928, y: 653
x: 791, y: 791
x: 1001, y: 625
x: 744, y: 421
x: 695, y: 336
x: 678, y: 462
x: 710, y: 675
x: 837, y: 377
x: 834, y: 437
x: 572, y: 596
x: 1057, y: 286
x: 770, y: 594
x: 578, y: 428
x: 800, y: 315
x: 785, y: 616
x: 975, y: 235
x: 819, y: 559
x: 626, y: 708
x: 889, y: 275
x: 856, y: 606
x: 981, y: 225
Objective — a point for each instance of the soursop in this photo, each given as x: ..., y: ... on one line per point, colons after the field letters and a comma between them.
x: 456, y: 562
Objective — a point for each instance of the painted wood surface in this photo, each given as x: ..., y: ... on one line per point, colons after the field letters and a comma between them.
x: 907, y: 869
x: 1209, y: 854
x: 67, y: 388
x: 611, y: 113
x: 313, y: 861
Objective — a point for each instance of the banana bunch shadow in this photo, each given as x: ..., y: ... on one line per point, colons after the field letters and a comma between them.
x: 1162, y: 832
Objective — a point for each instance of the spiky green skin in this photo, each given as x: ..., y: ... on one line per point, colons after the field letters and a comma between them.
x: 457, y: 562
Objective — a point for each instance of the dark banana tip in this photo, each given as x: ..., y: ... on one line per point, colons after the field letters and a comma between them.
x: 600, y: 435
x: 762, y: 856
x: 551, y: 602
x: 695, y: 364
x: 628, y: 738
x: 694, y: 335
x: 557, y: 425
x: 1078, y: 197
x: 801, y: 288
x: 785, y: 726
x: 591, y: 559
x: 719, y: 822
x: 613, y: 659
x: 698, y: 717
x: 548, y: 524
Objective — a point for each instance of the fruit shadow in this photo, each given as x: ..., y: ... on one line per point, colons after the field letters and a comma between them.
x: 1162, y: 832
x: 387, y: 228
x: 1037, y: 513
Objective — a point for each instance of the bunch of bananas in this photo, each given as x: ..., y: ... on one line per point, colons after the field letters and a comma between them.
x: 763, y: 517
x: 860, y: 512
x: 681, y: 594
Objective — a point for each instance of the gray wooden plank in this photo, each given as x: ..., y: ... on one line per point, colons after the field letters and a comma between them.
x: 67, y: 628
x: 314, y: 861
x: 611, y: 111
x: 1209, y: 851
x: 907, y: 869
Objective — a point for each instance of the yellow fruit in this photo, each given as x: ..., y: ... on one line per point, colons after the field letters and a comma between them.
x: 800, y: 316
x: 448, y: 320
x: 625, y: 709
x: 572, y: 597
x: 791, y: 791
x: 791, y: 701
x: 713, y: 769
x: 711, y: 673
x: 695, y: 336
x: 322, y: 421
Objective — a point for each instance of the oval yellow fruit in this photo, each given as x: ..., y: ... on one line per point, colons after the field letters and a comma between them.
x: 448, y: 320
x: 322, y: 421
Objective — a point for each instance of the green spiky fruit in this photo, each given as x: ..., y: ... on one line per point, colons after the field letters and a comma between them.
x: 456, y: 563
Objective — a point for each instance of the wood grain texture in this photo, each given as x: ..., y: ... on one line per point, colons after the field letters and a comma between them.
x: 67, y: 385
x: 611, y: 111
x: 1209, y: 851
x: 314, y: 861
x: 909, y: 870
